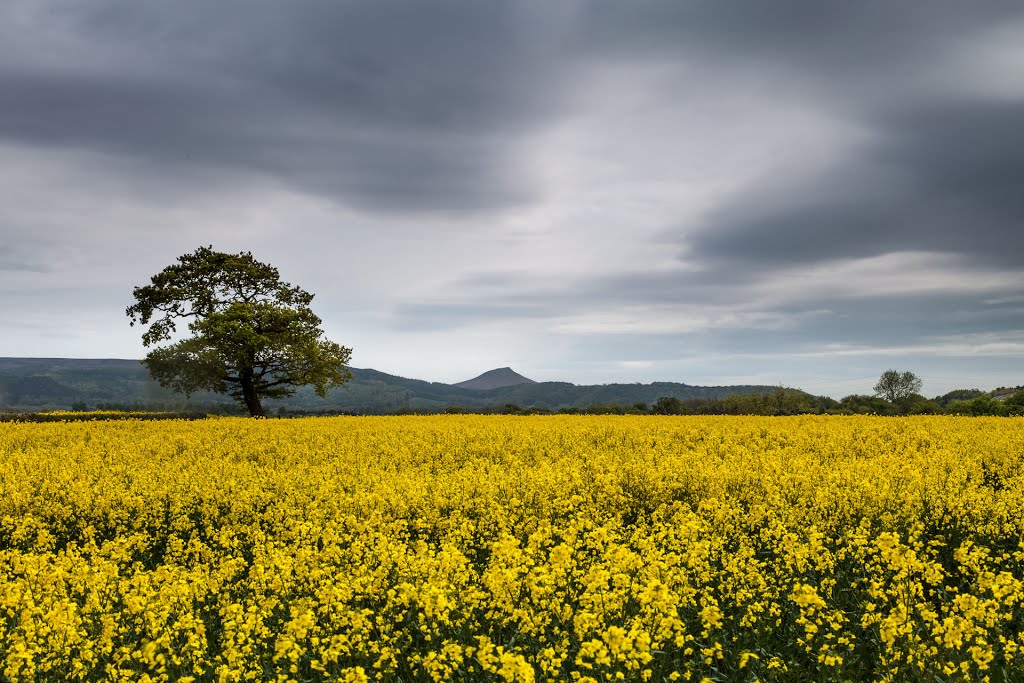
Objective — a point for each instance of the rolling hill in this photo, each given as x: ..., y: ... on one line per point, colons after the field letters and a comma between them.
x: 36, y: 384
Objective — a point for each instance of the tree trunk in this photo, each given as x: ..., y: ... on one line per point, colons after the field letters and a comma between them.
x: 251, y: 398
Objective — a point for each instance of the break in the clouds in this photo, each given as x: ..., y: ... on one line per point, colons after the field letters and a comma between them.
x: 790, y: 192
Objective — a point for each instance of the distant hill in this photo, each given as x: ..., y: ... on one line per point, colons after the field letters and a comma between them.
x: 54, y: 383
x: 36, y: 384
x: 495, y: 379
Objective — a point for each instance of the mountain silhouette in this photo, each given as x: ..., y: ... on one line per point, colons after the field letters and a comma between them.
x: 495, y: 379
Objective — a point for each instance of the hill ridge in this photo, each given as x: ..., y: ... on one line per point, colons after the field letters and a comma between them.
x: 35, y: 384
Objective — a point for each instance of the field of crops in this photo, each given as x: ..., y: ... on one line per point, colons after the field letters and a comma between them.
x: 473, y: 548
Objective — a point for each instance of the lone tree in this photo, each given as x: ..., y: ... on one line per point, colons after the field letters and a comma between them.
x: 253, y: 336
x: 895, y: 386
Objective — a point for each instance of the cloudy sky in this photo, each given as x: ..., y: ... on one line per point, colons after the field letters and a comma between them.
x: 792, y: 192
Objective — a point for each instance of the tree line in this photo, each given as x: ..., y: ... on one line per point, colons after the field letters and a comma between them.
x: 782, y: 401
x: 896, y: 393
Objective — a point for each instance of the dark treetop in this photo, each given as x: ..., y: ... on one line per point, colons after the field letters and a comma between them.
x: 253, y: 336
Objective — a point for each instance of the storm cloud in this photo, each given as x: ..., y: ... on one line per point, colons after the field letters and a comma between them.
x: 395, y: 106
x: 942, y: 177
x: 587, y: 191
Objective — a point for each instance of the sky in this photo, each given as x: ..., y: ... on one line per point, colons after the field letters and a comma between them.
x: 796, y: 192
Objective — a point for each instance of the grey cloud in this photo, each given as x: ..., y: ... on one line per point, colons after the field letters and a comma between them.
x: 24, y: 255
x: 908, y: 319
x: 12, y: 264
x: 119, y: 115
x: 417, y: 107
x: 941, y: 173
x: 422, y: 316
x: 437, y: 65
x: 942, y: 177
x: 384, y: 105
x: 904, y: 322
x: 854, y: 50
x: 812, y: 322
x: 403, y: 106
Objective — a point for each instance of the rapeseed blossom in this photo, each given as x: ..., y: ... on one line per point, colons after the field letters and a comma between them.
x: 499, y: 548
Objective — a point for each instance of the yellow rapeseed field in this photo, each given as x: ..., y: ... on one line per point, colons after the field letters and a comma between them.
x: 473, y: 548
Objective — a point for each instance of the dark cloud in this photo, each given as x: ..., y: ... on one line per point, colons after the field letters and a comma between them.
x: 941, y: 177
x: 406, y: 106
x: 891, y: 321
x: 384, y: 105
x: 854, y: 50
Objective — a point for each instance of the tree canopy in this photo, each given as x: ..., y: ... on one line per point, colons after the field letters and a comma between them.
x: 254, y: 336
x: 895, y: 386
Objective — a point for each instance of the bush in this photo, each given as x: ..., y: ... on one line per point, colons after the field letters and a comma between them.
x: 668, y: 405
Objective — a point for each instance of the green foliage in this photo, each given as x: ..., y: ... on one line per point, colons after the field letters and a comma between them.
x: 859, y: 404
x: 1016, y: 401
x: 777, y: 401
x: 668, y: 405
x: 983, y: 405
x: 924, y: 407
x: 895, y: 386
x: 98, y: 416
x: 958, y: 395
x: 254, y: 337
